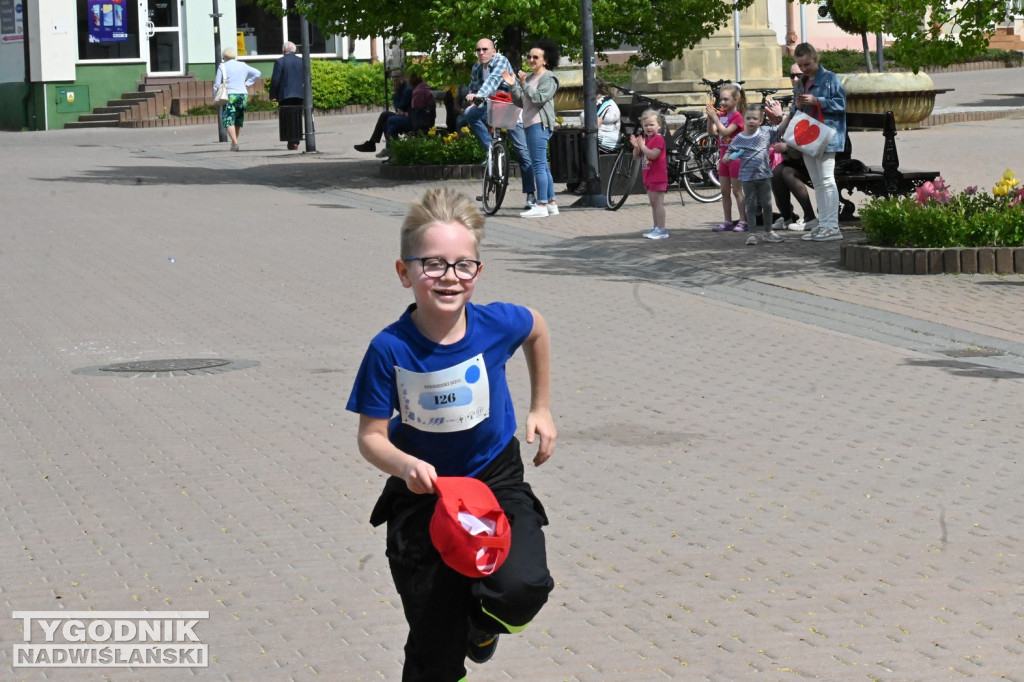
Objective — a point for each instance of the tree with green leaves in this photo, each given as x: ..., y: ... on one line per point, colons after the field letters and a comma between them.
x: 447, y: 30
x: 925, y: 32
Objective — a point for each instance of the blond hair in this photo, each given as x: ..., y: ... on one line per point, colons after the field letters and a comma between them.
x: 442, y: 205
x: 655, y: 114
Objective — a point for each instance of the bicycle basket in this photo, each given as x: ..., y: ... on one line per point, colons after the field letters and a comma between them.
x: 502, y: 114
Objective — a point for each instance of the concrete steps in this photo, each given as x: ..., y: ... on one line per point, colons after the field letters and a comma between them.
x: 156, y: 98
x: 1005, y: 39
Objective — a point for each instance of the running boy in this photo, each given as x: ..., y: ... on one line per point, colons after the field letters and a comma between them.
x: 751, y: 148
x: 444, y: 340
x: 651, y: 148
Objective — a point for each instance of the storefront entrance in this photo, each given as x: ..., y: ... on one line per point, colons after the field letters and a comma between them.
x: 163, y: 43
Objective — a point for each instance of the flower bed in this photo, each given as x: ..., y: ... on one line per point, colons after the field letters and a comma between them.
x: 434, y: 149
x: 937, y: 231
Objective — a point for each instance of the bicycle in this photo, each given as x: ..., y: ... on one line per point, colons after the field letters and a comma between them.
x: 500, y: 113
x: 692, y: 161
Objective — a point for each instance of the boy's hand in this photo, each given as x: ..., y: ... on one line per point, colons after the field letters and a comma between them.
x: 419, y: 477
x: 540, y: 423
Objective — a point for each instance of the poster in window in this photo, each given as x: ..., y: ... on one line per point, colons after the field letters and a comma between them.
x: 11, y: 20
x: 107, y: 21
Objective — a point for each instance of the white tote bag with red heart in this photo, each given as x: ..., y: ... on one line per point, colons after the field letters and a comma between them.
x: 809, y: 135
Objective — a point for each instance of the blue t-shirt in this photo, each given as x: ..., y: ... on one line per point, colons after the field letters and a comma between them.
x: 453, y: 403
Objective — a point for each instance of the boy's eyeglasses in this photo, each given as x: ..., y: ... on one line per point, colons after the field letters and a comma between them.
x: 483, y: 49
x: 438, y: 267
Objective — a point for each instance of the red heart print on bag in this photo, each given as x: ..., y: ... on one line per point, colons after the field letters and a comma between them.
x: 806, y: 132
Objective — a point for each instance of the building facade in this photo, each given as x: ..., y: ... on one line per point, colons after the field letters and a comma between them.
x: 62, y: 58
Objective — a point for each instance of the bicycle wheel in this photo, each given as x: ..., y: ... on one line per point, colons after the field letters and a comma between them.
x: 622, y: 178
x: 495, y: 177
x: 700, y: 169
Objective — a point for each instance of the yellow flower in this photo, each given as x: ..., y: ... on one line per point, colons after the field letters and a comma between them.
x: 465, y: 129
x: 432, y: 132
x: 1008, y: 174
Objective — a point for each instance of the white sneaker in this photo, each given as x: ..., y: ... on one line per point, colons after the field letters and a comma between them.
x: 552, y: 209
x: 798, y: 226
x: 779, y: 224
x: 773, y: 237
x: 656, y: 233
x: 829, y: 234
x: 537, y: 211
x: 812, y: 229
x: 752, y: 240
x: 234, y: 146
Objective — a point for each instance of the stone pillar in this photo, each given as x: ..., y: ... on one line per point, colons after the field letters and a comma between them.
x: 715, y: 58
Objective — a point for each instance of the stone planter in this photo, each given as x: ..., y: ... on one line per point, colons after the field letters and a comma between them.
x: 889, y: 260
x: 910, y: 97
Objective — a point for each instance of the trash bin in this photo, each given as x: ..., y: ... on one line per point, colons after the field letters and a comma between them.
x: 289, y: 122
x: 566, y: 156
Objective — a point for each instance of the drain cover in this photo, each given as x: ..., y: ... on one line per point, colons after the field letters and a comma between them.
x: 172, y: 365
x: 972, y: 353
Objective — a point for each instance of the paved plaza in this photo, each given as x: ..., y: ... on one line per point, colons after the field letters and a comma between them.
x: 768, y: 467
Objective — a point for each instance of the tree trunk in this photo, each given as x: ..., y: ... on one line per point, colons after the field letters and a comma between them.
x: 867, y: 50
x: 512, y: 46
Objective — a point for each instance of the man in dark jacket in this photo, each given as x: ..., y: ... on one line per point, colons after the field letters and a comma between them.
x: 287, y: 84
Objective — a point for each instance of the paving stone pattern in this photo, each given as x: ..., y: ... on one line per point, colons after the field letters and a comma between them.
x: 767, y: 466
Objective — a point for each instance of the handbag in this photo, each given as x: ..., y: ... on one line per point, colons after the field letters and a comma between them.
x: 808, y: 135
x: 220, y: 97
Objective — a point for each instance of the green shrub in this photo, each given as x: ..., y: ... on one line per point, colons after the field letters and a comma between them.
x: 432, y: 148
x: 936, y: 218
x: 852, y: 61
x: 337, y: 83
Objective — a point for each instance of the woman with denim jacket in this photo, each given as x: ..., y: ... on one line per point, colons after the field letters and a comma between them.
x: 820, y: 95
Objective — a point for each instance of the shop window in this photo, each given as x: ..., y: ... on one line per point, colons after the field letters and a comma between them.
x: 108, y: 29
x: 263, y: 32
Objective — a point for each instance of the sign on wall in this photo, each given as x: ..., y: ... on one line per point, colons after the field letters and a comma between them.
x: 107, y: 20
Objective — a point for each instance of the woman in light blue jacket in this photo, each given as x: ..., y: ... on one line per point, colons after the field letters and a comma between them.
x: 240, y: 77
x: 820, y: 95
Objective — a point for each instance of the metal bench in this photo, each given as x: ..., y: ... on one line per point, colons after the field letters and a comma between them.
x: 878, y: 181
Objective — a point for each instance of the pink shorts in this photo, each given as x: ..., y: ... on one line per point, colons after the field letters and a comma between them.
x: 657, y: 187
x: 729, y: 169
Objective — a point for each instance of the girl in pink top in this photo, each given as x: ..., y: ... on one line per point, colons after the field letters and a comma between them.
x: 725, y: 123
x: 651, y: 148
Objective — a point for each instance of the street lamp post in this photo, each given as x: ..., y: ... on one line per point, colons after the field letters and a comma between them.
x: 593, y: 198
x: 307, y: 101
x: 222, y: 134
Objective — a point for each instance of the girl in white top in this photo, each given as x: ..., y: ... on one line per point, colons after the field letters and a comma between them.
x: 608, y: 118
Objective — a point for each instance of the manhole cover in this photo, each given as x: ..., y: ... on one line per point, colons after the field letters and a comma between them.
x: 173, y: 365
x: 170, y: 367
x: 972, y: 353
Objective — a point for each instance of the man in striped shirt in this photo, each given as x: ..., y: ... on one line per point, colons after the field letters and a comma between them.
x: 484, y: 81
